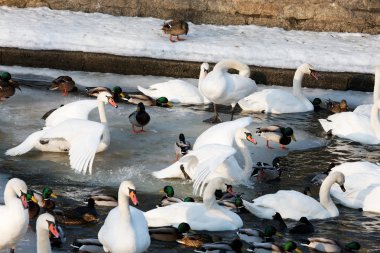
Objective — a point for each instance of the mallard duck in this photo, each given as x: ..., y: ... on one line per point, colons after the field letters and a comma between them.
x: 196, y: 240
x: 44, y: 198
x: 278, y: 222
x: 267, y: 247
x: 317, y: 103
x: 169, y: 198
x: 65, y: 84
x: 79, y: 215
x: 104, y: 200
x: 175, y: 27
x: 235, y: 245
x: 249, y: 235
x: 88, y: 245
x: 7, y: 86
x: 337, y: 107
x: 119, y: 96
x: 303, y: 226
x: 169, y: 233
x: 33, y: 207
x: 330, y: 246
x: 265, y: 172
x: 139, y: 118
x: 278, y: 134
x: 234, y: 203
x: 181, y: 146
x: 318, y: 179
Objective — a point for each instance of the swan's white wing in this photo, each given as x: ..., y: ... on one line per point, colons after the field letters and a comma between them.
x: 205, y: 160
x: 242, y: 87
x: 222, y: 133
x: 84, y: 137
x: 75, y: 110
x: 26, y: 145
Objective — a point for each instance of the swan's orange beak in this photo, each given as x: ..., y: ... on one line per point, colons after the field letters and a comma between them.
x: 112, y: 102
x: 313, y: 73
x: 53, y: 229
x: 250, y: 138
x: 132, y: 195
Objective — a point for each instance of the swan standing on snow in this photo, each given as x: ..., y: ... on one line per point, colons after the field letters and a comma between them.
x: 68, y: 130
x: 125, y: 229
x: 213, y: 141
x: 45, y: 224
x: 294, y: 205
x: 281, y: 101
x: 200, y: 216
x: 14, y: 216
x: 221, y: 87
x: 179, y: 91
x: 357, y: 125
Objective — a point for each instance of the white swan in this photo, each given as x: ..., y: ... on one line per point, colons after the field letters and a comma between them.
x: 361, y: 181
x: 281, y: 101
x: 80, y: 137
x: 227, y: 133
x: 45, y: 224
x: 357, y: 125
x: 221, y: 87
x: 294, y: 205
x: 179, y: 91
x: 125, y: 229
x: 14, y: 217
x: 200, y: 216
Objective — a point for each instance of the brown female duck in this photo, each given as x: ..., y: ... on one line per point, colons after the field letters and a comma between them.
x: 7, y: 86
x: 65, y: 84
x: 175, y: 27
x: 337, y: 107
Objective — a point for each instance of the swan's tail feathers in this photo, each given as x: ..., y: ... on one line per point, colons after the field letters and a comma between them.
x: 326, y: 124
x: 27, y: 145
x: 173, y: 171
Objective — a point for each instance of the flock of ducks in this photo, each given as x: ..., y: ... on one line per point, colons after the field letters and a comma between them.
x: 210, y: 164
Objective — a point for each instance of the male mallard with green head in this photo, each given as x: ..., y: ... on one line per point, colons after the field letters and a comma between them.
x: 181, y: 147
x: 120, y: 95
x: 139, y: 118
x: 327, y: 245
x: 65, y: 84
x: 175, y: 27
x: 7, y: 86
x: 278, y: 134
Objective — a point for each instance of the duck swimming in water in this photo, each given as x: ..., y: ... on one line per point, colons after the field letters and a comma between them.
x: 64, y: 84
x: 7, y: 86
x: 175, y: 27
x: 278, y: 134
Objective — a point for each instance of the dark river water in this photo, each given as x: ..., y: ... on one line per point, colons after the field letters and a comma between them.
x: 135, y: 156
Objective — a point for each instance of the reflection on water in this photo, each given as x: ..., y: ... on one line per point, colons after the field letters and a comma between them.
x: 135, y: 156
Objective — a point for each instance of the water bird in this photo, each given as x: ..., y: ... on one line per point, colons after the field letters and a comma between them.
x: 69, y: 130
x: 45, y: 225
x: 337, y: 107
x: 14, y: 216
x: 265, y: 172
x: 278, y: 222
x: 301, y: 205
x: 175, y: 27
x: 267, y: 247
x: 200, y: 216
x: 196, y: 239
x: 303, y: 226
x: 121, y: 96
x: 169, y: 198
x: 64, y: 84
x: 181, y: 146
x: 250, y: 235
x: 356, y: 125
x: 104, y: 199
x: 33, y: 207
x: 125, y: 229
x: 139, y: 118
x: 178, y: 91
x: 281, y: 101
x: 279, y: 134
x: 87, y: 245
x: 169, y: 233
x: 221, y: 87
x: 44, y: 198
x: 7, y: 86
x: 318, y: 179
x: 235, y: 245
x: 79, y: 215
x: 331, y: 246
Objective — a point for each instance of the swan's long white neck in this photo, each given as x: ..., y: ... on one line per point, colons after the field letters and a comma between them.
x: 225, y: 65
x: 324, y: 195
x: 297, y: 82
x: 123, y: 205
x: 248, y: 163
x: 43, y: 242
x: 202, y: 75
x: 209, y: 199
x: 375, y: 121
x: 102, y: 112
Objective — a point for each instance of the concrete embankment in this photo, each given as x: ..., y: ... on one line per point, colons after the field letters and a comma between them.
x: 107, y: 63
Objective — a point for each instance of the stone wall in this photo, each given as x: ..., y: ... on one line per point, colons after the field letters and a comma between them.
x: 316, y: 15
